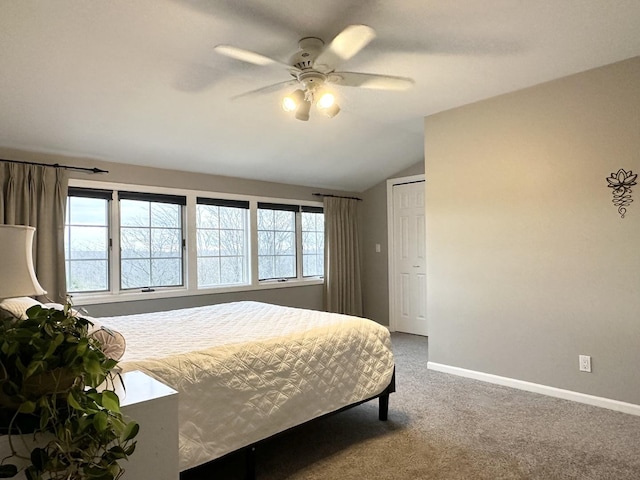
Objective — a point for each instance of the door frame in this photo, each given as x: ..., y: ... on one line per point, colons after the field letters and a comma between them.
x: 391, y: 250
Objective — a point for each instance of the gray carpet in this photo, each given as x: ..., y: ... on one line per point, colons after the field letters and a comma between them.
x: 446, y: 427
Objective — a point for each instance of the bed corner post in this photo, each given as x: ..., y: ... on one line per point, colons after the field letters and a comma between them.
x: 250, y: 465
x: 383, y: 408
x: 383, y: 399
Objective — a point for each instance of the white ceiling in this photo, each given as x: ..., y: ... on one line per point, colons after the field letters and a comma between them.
x: 138, y: 81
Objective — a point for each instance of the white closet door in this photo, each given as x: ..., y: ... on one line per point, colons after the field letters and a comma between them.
x: 410, y: 278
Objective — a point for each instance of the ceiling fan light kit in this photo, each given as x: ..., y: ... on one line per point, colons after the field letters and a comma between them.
x: 314, y: 66
x: 302, y: 112
x: 326, y: 100
x: 327, y: 105
x: 300, y: 102
x: 290, y: 102
x: 331, y: 111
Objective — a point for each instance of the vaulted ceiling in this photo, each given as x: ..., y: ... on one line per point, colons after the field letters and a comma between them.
x: 139, y: 82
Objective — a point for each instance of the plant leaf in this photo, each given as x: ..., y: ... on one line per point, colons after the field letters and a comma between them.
x: 110, y: 401
x: 97, y: 473
x: 92, y: 365
x: 130, y: 449
x: 71, y: 400
x: 32, y: 368
x: 32, y: 474
x: 39, y: 458
x: 95, y: 396
x: 100, y: 421
x: 130, y: 431
x: 8, y: 471
x: 118, y: 452
x: 27, y: 407
x: 109, y: 364
x: 83, y: 344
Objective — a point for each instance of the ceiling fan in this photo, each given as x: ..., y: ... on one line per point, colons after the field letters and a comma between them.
x: 313, y: 68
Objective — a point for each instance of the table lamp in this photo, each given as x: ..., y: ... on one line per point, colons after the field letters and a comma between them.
x: 17, y: 276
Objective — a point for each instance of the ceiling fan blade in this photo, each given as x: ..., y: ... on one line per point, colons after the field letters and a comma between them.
x: 249, y: 56
x: 370, y: 80
x: 268, y: 89
x: 344, y: 46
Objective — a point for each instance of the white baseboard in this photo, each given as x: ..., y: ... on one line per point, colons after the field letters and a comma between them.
x: 616, y: 405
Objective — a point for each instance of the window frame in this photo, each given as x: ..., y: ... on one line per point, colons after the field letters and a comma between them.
x: 178, y: 200
x: 221, y: 202
x: 297, y: 232
x: 99, y: 194
x: 314, y: 210
x: 190, y: 287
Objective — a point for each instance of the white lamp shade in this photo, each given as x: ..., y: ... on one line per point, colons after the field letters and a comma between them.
x: 302, y: 113
x: 292, y: 101
x: 17, y: 277
x: 326, y: 100
x: 331, y: 111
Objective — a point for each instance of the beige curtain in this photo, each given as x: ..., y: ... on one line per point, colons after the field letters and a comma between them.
x: 35, y: 195
x: 342, y: 289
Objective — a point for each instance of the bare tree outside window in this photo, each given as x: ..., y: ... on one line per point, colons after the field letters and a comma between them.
x: 150, y: 244
x: 276, y: 244
x: 86, y: 244
x: 312, y: 244
x: 221, y: 245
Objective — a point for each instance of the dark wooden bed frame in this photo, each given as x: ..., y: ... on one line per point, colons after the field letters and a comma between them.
x: 250, y: 450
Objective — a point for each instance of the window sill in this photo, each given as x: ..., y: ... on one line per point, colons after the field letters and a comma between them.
x: 79, y: 299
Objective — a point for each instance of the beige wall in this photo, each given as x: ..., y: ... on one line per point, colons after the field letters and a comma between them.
x: 375, y: 267
x: 529, y: 263
x: 124, y: 173
x: 304, y: 296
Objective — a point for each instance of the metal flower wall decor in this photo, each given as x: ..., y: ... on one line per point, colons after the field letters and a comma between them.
x: 621, y: 184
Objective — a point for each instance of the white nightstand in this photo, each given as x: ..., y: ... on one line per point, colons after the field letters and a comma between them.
x: 154, y: 406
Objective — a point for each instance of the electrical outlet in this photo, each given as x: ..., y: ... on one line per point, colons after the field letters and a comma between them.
x: 585, y: 363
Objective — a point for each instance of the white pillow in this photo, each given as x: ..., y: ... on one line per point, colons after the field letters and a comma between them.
x: 18, y: 306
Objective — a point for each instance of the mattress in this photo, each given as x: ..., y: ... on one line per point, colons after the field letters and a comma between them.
x: 247, y: 370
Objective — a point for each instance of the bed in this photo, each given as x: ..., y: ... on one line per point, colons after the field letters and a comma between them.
x: 246, y: 371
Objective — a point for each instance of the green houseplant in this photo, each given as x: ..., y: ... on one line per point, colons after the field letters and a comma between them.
x: 50, y: 371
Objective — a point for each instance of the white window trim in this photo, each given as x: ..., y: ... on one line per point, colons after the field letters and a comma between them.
x: 190, y: 288
x: 301, y: 250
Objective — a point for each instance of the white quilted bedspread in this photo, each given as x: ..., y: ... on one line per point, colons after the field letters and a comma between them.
x: 248, y: 370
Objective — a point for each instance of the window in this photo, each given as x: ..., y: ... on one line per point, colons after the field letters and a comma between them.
x: 312, y: 241
x: 276, y: 241
x: 86, y: 245
x: 122, y: 241
x: 150, y: 240
x: 222, y: 242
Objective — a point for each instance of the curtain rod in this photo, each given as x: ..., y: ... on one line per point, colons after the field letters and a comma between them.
x: 57, y: 165
x: 335, y: 196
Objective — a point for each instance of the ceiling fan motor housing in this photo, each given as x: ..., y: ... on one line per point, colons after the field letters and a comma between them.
x: 311, y: 80
x: 303, y: 59
x: 310, y: 48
